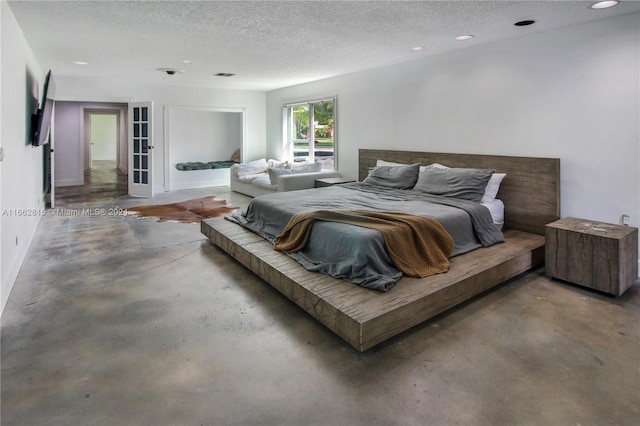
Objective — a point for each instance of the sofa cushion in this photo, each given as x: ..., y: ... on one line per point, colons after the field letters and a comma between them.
x: 264, y: 182
x: 249, y: 168
x: 274, y: 172
x: 250, y: 178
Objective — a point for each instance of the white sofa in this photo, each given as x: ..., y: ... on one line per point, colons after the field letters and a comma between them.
x: 257, y: 177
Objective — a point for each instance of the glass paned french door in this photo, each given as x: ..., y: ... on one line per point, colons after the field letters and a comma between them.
x: 141, y: 149
x: 311, y: 132
x: 300, y: 118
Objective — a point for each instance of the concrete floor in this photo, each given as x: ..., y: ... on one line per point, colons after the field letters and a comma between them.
x: 122, y: 321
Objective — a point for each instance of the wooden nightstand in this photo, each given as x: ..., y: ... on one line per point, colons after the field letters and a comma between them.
x: 319, y: 183
x: 597, y: 255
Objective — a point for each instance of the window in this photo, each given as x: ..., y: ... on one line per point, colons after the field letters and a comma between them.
x: 310, y: 132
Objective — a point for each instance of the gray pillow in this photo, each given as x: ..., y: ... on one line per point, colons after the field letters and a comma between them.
x: 400, y: 177
x: 468, y: 184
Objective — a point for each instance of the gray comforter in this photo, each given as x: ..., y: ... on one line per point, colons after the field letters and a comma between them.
x: 355, y: 253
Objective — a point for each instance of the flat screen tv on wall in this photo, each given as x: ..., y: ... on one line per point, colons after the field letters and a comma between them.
x: 41, y: 119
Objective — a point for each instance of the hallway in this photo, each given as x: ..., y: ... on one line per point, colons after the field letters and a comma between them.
x: 104, y: 181
x: 122, y: 321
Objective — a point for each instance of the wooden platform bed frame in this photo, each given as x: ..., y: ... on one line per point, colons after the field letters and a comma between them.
x: 364, y: 317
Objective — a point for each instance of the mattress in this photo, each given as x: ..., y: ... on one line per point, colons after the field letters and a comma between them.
x: 355, y: 253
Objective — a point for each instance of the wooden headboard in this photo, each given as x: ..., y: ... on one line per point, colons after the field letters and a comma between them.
x: 530, y: 191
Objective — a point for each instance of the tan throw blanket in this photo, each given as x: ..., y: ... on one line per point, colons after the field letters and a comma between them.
x: 419, y: 246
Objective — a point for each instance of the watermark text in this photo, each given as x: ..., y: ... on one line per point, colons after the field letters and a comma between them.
x: 115, y: 211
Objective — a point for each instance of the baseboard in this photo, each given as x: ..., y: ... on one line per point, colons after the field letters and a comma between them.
x: 68, y: 182
x: 198, y: 184
x: 9, y: 280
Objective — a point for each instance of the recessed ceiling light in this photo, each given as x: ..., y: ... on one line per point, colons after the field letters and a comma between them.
x: 524, y: 23
x: 464, y: 37
x: 187, y: 61
x: 604, y: 4
x: 224, y: 74
x: 417, y: 48
x: 81, y: 63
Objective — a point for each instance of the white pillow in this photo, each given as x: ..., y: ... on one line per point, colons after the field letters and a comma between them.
x: 315, y: 167
x: 491, y: 191
x: 249, y: 168
x: 492, y: 188
x: 308, y: 167
x: 278, y: 164
x: 439, y: 166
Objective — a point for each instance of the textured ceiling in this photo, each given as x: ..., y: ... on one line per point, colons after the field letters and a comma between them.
x: 270, y: 44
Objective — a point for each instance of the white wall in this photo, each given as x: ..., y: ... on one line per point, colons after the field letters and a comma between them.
x: 571, y: 93
x: 162, y: 94
x: 104, y: 137
x: 68, y: 152
x: 22, y: 178
x: 202, y: 135
x: 71, y: 154
x: 3, y: 293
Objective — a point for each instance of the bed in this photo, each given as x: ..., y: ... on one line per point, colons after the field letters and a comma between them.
x: 365, y: 317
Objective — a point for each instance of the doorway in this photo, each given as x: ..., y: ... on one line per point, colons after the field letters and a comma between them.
x: 75, y: 177
x: 86, y: 172
x: 105, y: 137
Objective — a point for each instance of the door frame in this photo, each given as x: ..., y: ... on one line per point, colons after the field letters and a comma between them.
x: 49, y: 163
x: 121, y: 135
x: 167, y: 124
x: 97, y: 103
